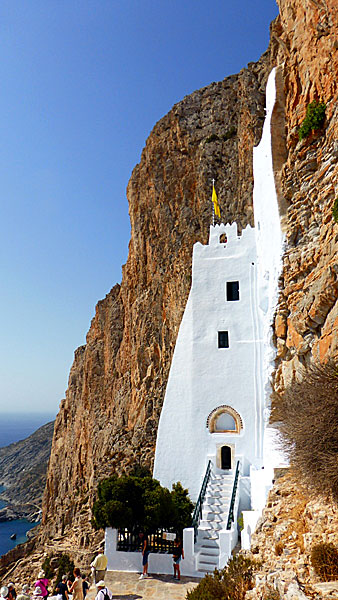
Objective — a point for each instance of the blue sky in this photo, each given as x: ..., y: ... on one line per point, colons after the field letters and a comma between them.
x: 83, y: 82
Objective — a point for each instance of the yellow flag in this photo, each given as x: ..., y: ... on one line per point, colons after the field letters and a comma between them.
x: 215, y: 201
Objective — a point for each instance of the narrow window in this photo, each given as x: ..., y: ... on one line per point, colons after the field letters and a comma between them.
x: 223, y: 339
x: 232, y: 290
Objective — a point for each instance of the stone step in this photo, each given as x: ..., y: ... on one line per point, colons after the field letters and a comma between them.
x: 209, y: 550
x: 209, y: 544
x: 204, y: 570
x: 225, y: 482
x: 221, y: 497
x: 207, y: 563
x: 213, y: 516
x: 216, y: 507
x: 216, y: 499
x: 210, y: 536
x: 205, y: 525
x: 208, y: 557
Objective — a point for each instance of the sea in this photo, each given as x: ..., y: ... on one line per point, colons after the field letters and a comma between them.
x: 15, y: 427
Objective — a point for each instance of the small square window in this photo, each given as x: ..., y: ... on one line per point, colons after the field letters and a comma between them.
x: 232, y: 290
x: 223, y: 339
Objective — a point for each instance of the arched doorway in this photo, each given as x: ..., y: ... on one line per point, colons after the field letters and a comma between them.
x: 225, y: 457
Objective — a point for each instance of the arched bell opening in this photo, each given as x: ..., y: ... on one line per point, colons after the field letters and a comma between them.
x: 224, y: 419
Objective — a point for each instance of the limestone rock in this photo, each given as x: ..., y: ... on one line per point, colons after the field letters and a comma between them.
x: 23, y: 468
x: 298, y: 522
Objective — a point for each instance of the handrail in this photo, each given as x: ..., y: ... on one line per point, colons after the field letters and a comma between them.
x: 197, y: 515
x: 233, y: 498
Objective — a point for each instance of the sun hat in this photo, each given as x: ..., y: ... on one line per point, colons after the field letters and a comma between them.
x: 101, y: 584
x: 4, y: 591
x: 41, y: 575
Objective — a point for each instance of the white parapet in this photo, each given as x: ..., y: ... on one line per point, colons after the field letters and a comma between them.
x: 158, y: 563
x: 250, y: 518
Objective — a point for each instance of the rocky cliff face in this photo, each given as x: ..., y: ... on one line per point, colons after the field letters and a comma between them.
x: 23, y: 468
x: 307, y: 318
x: 290, y: 526
x: 306, y: 321
x: 109, y: 418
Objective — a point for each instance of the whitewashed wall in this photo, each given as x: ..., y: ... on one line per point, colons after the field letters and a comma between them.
x: 203, y: 376
x: 157, y: 563
x: 269, y: 236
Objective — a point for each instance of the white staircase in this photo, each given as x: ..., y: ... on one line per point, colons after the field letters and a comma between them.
x: 215, y: 511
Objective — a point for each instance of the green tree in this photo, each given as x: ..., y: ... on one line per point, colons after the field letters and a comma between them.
x: 139, y: 502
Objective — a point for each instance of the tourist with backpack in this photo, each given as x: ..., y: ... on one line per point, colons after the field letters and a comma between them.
x: 103, y: 592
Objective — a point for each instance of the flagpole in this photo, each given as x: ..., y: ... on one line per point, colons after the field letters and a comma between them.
x: 213, y: 207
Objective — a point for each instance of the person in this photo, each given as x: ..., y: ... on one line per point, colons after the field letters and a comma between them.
x: 37, y: 594
x: 103, y: 591
x: 85, y: 586
x: 178, y: 554
x: 99, y: 567
x: 145, y: 554
x: 11, y: 591
x: 4, y: 592
x: 42, y: 582
x: 62, y: 587
x: 76, y: 588
x: 24, y: 594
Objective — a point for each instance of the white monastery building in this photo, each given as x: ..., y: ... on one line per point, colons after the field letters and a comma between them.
x: 213, y: 433
x: 214, y: 403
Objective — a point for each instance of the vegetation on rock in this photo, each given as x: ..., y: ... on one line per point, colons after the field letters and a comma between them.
x: 314, y: 119
x: 324, y: 559
x: 230, y: 583
x: 309, y: 428
x: 63, y: 564
x: 47, y: 568
x: 139, y: 502
x: 272, y: 594
x: 65, y: 567
x: 335, y: 210
x: 231, y: 132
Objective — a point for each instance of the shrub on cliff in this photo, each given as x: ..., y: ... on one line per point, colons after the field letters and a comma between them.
x: 335, y: 210
x: 314, y: 119
x: 231, y: 583
x: 138, y: 502
x: 324, y: 559
x: 308, y: 413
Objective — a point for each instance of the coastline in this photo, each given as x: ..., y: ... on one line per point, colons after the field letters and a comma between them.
x: 12, y: 512
x: 12, y: 521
